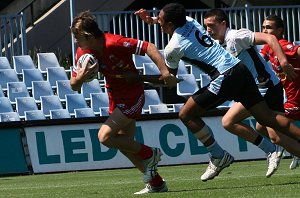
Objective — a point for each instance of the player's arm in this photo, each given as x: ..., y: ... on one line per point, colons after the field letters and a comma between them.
x: 271, y: 40
x: 169, y: 79
x: 82, y: 74
x: 145, y: 16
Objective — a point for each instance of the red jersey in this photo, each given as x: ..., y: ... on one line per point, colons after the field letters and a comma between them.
x: 292, y: 88
x: 115, y: 61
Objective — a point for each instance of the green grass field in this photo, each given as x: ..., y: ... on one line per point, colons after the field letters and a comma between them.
x: 241, y: 179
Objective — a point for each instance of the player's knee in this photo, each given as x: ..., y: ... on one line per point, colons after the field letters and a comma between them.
x: 183, y: 116
x: 226, y: 123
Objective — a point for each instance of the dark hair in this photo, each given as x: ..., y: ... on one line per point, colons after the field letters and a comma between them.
x: 219, y: 15
x: 85, y: 24
x: 175, y: 13
x: 277, y: 20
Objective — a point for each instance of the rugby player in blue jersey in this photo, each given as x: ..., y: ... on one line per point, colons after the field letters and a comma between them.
x: 231, y: 80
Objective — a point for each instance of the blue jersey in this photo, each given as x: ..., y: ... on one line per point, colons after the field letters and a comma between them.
x: 193, y: 44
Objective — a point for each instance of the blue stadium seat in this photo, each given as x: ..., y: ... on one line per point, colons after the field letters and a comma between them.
x: 9, y: 117
x: 188, y: 86
x: 75, y: 101
x: 41, y: 88
x: 30, y: 75
x: 5, y: 105
x: 84, y: 112
x: 56, y: 73
x: 48, y: 103
x: 7, y: 75
x: 4, y: 63
x: 63, y: 87
x: 22, y: 62
x: 16, y: 89
x: 59, y: 114
x: 159, y: 108
x: 35, y: 115
x: 99, y: 100
x: 177, y: 107
x: 25, y: 104
x: 151, y: 98
x: 104, y: 111
x: 90, y: 87
x: 47, y: 60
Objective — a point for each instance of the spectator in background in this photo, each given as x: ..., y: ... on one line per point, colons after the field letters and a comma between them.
x: 274, y: 25
x: 126, y: 94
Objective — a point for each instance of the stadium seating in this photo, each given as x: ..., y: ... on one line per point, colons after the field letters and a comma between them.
x: 5, y: 105
x: 140, y: 60
x: 22, y: 62
x: 9, y: 117
x: 56, y: 73
x: 177, y: 107
x: 90, y: 87
x: 35, y: 115
x: 7, y: 75
x: 188, y: 86
x: 104, y: 111
x: 30, y: 75
x: 296, y: 43
x: 46, y: 60
x: 75, y: 101
x: 4, y: 63
x: 84, y: 112
x: 159, y: 108
x: 63, y: 87
x: 16, y: 89
x: 41, y: 88
x: 25, y: 104
x: 99, y: 100
x: 151, y: 98
x: 1, y: 92
x: 150, y: 69
x: 48, y: 103
x: 59, y: 113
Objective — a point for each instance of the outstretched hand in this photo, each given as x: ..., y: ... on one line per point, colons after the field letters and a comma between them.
x: 144, y: 15
x: 170, y: 80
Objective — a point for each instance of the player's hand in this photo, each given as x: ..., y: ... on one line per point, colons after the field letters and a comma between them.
x: 289, y: 70
x: 144, y: 15
x: 170, y: 80
x: 85, y: 72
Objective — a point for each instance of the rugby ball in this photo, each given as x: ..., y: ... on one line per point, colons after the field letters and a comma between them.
x: 87, y: 60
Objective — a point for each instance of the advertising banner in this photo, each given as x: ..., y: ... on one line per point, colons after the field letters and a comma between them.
x: 76, y: 147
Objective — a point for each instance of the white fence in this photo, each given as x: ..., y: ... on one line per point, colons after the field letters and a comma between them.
x: 127, y: 24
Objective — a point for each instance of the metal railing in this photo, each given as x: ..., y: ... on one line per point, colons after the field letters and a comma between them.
x: 127, y: 24
x: 13, y: 35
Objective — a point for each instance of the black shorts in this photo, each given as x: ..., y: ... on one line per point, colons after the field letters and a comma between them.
x: 238, y: 85
x: 274, y: 97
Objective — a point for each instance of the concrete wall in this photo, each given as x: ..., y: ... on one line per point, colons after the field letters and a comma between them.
x: 52, y: 33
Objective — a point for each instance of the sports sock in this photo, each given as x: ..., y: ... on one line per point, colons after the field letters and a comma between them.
x: 145, y: 152
x: 266, y: 145
x: 215, y: 150
x: 156, y: 181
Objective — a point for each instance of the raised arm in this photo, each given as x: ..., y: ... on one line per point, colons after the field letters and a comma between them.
x: 145, y: 16
x: 271, y: 40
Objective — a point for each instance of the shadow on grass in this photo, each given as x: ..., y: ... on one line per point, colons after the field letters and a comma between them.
x: 234, y: 187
